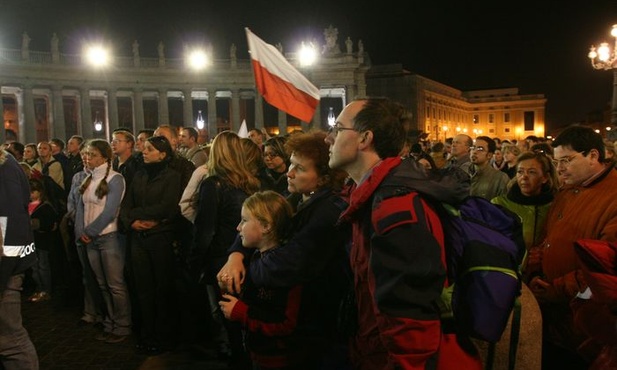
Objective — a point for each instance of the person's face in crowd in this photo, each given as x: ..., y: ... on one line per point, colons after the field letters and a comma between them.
x: 530, y: 177
x: 44, y: 150
x: 120, y: 145
x: 510, y: 157
x: 573, y: 167
x: 35, y: 195
x: 344, y: 139
x: 250, y: 229
x: 273, y: 160
x: 479, y: 154
x: 498, y: 156
x: 84, y: 156
x: 141, y: 140
x: 184, y: 139
x: 29, y: 153
x: 256, y: 137
x: 72, y: 146
x: 302, y: 176
x: 151, y: 154
x: 55, y: 149
x: 459, y: 146
x: 165, y: 131
x: 94, y: 158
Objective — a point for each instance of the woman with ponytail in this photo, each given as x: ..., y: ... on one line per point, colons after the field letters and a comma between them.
x: 96, y: 227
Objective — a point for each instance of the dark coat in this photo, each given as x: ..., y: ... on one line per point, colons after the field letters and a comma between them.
x: 153, y: 195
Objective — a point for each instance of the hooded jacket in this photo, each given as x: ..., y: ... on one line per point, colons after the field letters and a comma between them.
x: 399, y: 274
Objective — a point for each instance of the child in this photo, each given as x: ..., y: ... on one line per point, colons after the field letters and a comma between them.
x: 269, y: 315
x: 44, y: 222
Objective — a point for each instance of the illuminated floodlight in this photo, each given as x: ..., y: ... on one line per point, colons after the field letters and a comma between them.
x: 307, y: 54
x: 197, y: 59
x: 97, y: 55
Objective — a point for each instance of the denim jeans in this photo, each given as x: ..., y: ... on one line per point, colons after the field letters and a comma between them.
x: 94, y: 306
x: 16, y: 349
x: 106, y: 254
x: 41, y: 271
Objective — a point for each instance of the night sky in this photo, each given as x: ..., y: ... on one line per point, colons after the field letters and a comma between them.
x: 538, y: 46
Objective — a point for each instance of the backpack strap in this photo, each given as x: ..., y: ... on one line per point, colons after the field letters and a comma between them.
x: 514, y: 333
x: 515, y: 329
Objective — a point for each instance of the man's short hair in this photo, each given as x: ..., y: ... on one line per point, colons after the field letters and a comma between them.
x: 148, y: 131
x: 192, y: 132
x: 388, y: 121
x: 492, y: 146
x: 79, y: 138
x: 128, y: 136
x: 17, y: 148
x: 58, y: 142
x: 581, y: 139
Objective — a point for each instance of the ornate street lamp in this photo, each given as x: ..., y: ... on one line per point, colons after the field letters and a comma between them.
x: 605, y: 57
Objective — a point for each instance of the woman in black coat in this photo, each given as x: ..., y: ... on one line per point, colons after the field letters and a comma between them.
x: 150, y: 212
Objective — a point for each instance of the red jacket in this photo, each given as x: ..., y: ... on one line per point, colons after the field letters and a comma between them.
x: 399, y: 274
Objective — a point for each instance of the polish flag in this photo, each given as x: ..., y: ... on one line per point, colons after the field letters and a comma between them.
x: 279, y: 82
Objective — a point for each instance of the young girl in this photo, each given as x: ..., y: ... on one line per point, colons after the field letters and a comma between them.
x: 44, y: 221
x: 96, y: 227
x: 269, y: 315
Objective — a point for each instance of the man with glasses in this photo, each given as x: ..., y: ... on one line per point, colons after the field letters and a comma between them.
x: 584, y: 208
x: 486, y: 182
x: 396, y: 262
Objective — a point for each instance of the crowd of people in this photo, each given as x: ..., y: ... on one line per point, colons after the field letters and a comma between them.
x: 264, y: 247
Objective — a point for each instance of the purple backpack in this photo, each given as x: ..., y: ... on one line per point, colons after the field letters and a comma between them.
x: 484, y: 248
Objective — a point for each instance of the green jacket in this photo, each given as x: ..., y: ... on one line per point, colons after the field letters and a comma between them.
x: 532, y: 210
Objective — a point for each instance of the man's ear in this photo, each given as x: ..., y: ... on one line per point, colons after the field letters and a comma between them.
x: 366, y: 138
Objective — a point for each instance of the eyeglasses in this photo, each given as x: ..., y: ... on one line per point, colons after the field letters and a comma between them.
x: 565, y: 161
x: 271, y: 155
x: 338, y: 128
x: 478, y: 148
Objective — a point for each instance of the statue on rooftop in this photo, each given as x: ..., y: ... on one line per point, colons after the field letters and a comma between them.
x: 331, y: 35
x: 54, y: 43
x: 25, y: 41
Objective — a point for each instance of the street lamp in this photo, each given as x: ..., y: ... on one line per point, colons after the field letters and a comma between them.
x: 200, y: 123
x: 98, y: 124
x: 605, y: 58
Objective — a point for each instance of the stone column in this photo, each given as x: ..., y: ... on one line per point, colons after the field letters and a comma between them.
x: 235, y: 110
x: 86, y: 114
x: 163, y: 107
x: 138, y: 111
x: 58, y: 113
x: 212, y: 129
x: 112, y: 101
x: 259, y: 111
x: 282, y: 118
x: 315, y: 122
x: 187, y: 106
x: 29, y: 115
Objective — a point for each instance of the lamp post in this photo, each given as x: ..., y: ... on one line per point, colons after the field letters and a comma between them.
x: 605, y: 57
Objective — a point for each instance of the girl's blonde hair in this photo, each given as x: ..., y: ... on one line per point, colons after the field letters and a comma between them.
x: 105, y: 149
x: 228, y: 162
x: 271, y: 209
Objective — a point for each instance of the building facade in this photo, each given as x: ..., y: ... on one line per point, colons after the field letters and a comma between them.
x: 443, y: 111
x: 49, y: 94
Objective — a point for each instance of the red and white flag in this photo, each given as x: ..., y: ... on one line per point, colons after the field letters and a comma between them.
x: 279, y: 82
